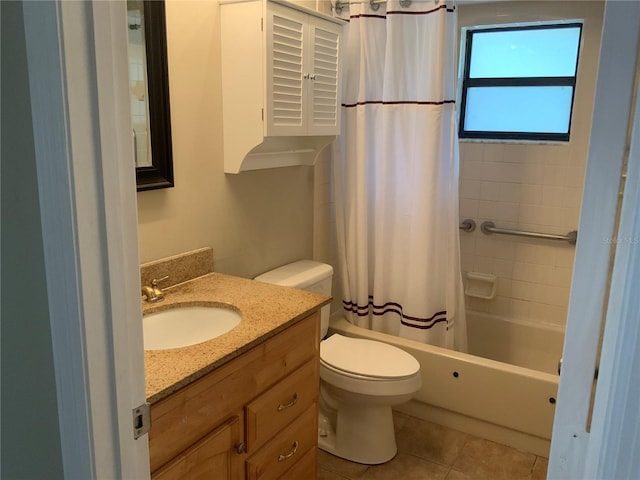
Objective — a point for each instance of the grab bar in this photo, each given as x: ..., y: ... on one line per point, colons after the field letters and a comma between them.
x: 468, y: 225
x: 489, y: 227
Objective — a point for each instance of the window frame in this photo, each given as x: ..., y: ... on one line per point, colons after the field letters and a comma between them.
x: 468, y: 82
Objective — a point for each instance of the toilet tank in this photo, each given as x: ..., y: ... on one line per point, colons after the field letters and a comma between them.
x: 305, y: 275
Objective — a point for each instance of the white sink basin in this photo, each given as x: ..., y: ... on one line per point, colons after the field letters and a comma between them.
x: 184, y: 326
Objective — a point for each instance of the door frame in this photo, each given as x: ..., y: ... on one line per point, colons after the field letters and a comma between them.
x: 79, y: 82
x: 589, y: 436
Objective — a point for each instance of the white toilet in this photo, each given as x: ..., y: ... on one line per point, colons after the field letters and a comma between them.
x: 360, y: 380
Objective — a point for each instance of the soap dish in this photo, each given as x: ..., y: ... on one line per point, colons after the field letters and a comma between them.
x: 480, y: 285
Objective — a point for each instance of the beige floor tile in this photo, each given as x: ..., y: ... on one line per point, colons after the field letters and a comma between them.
x: 399, y: 420
x: 455, y: 475
x: 540, y: 469
x: 482, y: 459
x: 430, y: 441
x: 327, y: 475
x: 338, y: 465
x: 406, y: 467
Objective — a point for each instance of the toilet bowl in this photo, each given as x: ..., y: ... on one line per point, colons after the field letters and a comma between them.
x: 360, y: 380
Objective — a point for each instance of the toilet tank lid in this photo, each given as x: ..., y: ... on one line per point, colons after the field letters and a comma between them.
x: 298, y: 274
x: 367, y: 357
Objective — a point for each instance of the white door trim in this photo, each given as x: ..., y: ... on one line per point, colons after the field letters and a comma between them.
x: 615, y: 430
x: 571, y: 439
x: 77, y: 61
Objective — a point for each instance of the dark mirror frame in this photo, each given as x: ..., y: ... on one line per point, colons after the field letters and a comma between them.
x: 160, y: 174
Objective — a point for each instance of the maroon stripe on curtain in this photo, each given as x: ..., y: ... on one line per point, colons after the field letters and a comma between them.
x: 394, y: 307
x: 399, y: 102
x: 367, y: 15
x: 427, y: 12
x: 403, y: 12
x: 423, y: 327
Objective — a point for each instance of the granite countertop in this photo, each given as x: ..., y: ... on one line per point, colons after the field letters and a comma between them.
x: 266, y: 310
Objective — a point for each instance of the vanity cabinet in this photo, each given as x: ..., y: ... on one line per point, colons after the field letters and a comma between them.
x: 280, y: 81
x: 255, y: 417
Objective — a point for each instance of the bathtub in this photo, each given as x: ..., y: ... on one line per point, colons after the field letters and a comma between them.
x: 504, y: 390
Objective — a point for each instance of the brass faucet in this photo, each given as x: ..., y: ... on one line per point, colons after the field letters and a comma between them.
x: 153, y: 293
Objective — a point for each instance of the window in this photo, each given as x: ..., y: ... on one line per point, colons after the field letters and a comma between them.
x: 519, y: 82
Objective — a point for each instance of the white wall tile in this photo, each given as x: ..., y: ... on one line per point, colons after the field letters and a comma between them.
x: 478, y: 304
x: 490, y: 191
x: 483, y: 264
x: 519, y: 309
x: 564, y: 257
x: 500, y: 306
x: 505, y: 249
x: 533, y: 174
x: 472, y: 170
x: 504, y: 287
x: 525, y: 291
x: 562, y: 276
x: 468, y: 208
x: 470, y: 189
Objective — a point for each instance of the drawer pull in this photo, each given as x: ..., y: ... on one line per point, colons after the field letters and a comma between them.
x: 290, y: 404
x: 282, y: 458
x: 241, y: 448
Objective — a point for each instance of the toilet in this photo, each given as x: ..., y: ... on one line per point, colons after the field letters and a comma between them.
x: 360, y: 380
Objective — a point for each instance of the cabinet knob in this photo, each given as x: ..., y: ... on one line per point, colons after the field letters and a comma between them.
x: 306, y: 76
x: 241, y: 448
x: 312, y: 76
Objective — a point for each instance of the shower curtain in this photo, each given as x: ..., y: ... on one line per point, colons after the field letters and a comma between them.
x: 396, y: 172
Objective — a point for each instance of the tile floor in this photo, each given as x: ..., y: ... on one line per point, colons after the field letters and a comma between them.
x: 427, y: 451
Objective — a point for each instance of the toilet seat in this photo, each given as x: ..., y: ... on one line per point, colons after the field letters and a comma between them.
x: 366, y: 359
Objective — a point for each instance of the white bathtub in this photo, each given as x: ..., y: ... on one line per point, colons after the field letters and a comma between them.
x: 478, y: 393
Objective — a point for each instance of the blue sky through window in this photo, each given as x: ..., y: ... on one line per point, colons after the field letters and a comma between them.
x: 519, y: 82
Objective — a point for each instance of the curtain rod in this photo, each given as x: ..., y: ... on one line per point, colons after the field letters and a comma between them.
x: 338, y: 5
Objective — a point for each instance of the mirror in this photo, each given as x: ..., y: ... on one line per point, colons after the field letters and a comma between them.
x: 149, y: 94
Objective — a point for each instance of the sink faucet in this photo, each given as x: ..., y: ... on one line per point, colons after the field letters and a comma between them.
x: 153, y: 293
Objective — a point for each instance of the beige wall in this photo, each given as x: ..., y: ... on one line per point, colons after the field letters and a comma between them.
x: 255, y: 220
x: 529, y: 186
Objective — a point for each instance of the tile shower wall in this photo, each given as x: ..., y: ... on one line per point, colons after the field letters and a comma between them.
x: 530, y: 186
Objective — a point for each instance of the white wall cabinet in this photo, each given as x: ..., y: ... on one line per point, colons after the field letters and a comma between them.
x: 281, y: 83
x: 302, y: 73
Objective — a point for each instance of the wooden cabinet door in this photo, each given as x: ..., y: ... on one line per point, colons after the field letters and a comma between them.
x: 212, y: 458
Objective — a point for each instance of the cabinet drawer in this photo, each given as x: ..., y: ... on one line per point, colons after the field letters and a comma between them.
x: 286, y: 449
x: 306, y: 468
x: 281, y: 404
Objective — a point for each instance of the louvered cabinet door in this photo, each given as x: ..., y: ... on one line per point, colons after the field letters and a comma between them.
x: 286, y: 31
x: 323, y: 112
